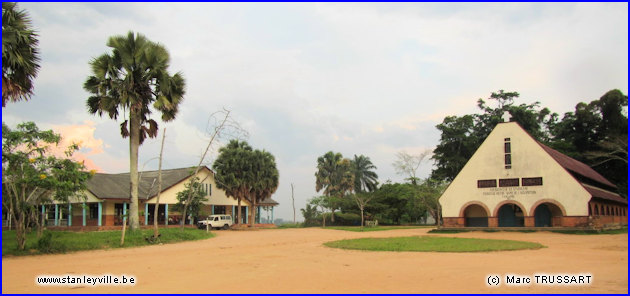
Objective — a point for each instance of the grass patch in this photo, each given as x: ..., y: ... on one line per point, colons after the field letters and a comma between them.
x: 290, y: 225
x: 375, y: 228
x: 67, y: 241
x: 432, y: 244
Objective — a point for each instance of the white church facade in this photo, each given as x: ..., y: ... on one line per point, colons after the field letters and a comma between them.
x: 512, y: 180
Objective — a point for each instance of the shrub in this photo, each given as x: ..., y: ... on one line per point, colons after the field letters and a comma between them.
x: 46, y: 244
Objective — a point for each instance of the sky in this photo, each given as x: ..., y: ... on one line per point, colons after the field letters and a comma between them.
x: 307, y: 78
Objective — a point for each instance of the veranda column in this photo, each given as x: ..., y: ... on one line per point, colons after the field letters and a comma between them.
x: 125, y: 213
x: 246, y: 214
x: 84, y: 220
x: 146, y: 213
x: 56, y: 215
x: 44, y: 214
x: 100, y: 213
x: 272, y: 216
x: 69, y: 214
x: 257, y: 214
x: 166, y: 214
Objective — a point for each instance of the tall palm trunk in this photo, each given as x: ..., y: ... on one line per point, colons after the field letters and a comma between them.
x: 253, y: 211
x: 156, y: 232
x: 134, y: 144
x: 238, y: 221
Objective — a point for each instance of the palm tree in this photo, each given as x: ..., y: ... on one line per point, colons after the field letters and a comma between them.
x: 364, y: 178
x: 131, y: 79
x: 264, y: 178
x: 244, y: 173
x: 20, y: 55
x: 232, y: 173
x: 334, y: 175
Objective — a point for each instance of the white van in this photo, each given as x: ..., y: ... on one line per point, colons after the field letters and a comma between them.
x: 216, y: 221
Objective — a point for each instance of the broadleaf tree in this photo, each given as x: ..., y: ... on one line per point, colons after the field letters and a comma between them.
x: 32, y: 176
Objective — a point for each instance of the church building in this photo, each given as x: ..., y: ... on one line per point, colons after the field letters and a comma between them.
x: 513, y: 180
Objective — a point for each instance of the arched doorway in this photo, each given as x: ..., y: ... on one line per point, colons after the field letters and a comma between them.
x: 511, y: 215
x: 547, y: 215
x: 475, y: 216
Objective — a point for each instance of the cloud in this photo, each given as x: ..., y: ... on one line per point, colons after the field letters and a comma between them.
x: 83, y: 136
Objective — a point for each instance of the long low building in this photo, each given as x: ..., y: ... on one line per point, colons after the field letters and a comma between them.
x: 108, y: 197
x: 512, y: 180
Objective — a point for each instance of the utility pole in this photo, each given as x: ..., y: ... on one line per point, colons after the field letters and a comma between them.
x: 293, y: 202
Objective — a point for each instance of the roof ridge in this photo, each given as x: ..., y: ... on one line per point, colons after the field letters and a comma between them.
x: 152, y: 171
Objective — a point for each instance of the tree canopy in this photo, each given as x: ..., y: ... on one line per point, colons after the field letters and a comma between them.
x: 335, y: 176
x: 32, y: 176
x: 365, y: 179
x: 244, y: 173
x: 20, y: 54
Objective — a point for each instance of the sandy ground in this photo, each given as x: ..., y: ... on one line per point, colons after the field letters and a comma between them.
x: 295, y: 261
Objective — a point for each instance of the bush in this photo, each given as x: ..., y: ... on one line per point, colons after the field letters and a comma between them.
x: 341, y: 219
x: 347, y: 219
x: 47, y: 245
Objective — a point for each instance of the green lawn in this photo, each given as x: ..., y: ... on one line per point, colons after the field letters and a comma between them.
x: 67, y: 241
x: 375, y: 228
x: 431, y: 244
x: 290, y: 225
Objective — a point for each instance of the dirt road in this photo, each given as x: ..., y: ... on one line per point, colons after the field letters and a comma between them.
x: 294, y: 261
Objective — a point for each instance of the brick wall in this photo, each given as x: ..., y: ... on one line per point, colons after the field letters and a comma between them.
x: 564, y: 221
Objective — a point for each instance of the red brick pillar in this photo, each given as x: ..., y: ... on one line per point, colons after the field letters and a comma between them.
x: 461, y: 222
x: 493, y: 222
x: 529, y: 221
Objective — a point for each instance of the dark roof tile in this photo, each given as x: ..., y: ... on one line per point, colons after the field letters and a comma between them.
x: 576, y: 166
x: 595, y: 192
x: 116, y: 186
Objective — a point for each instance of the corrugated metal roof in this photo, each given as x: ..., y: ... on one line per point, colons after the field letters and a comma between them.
x: 117, y: 186
x: 595, y: 192
x: 268, y: 202
x: 576, y: 166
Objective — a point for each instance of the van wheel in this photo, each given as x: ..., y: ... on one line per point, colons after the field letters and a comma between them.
x: 225, y: 227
